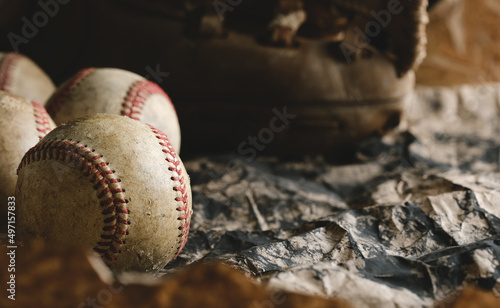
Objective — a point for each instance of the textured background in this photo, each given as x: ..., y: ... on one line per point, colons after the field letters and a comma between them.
x: 463, y: 43
x: 414, y: 220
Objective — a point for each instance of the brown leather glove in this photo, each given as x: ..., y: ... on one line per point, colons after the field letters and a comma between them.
x: 283, y: 77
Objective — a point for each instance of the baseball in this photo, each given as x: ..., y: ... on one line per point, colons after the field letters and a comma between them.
x: 21, y: 76
x: 115, y: 91
x: 108, y: 183
x: 22, y: 124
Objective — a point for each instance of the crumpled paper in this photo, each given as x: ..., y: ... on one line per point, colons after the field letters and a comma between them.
x: 411, y: 222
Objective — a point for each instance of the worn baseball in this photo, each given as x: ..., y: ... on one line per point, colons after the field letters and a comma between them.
x: 108, y: 183
x: 22, y: 124
x: 115, y: 91
x: 21, y: 76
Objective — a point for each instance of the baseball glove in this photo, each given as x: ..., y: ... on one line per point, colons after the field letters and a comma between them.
x: 340, y: 69
x: 399, y: 25
x: 278, y: 76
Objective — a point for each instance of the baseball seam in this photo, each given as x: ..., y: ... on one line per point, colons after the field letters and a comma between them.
x: 7, y: 65
x: 55, y: 102
x: 180, y: 187
x: 41, y: 119
x: 106, y: 184
x: 137, y: 95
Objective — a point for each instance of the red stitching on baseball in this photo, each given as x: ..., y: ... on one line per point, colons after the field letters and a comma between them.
x: 7, y: 65
x: 108, y: 188
x: 137, y: 95
x: 42, y: 120
x: 181, y: 188
x: 55, y: 102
